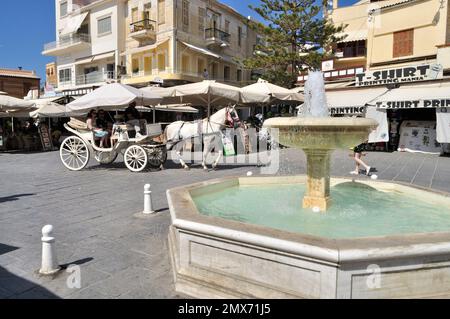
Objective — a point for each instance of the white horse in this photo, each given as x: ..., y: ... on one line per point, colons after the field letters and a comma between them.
x: 209, y: 130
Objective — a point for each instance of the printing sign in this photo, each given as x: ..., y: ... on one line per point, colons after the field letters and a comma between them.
x: 349, y: 110
x: 406, y: 74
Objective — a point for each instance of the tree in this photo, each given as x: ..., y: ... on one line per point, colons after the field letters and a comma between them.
x: 295, y: 36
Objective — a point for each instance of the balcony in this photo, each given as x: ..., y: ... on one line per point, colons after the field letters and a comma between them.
x: 258, y: 51
x: 143, y: 30
x: 216, y: 37
x: 95, y: 77
x: 66, y: 44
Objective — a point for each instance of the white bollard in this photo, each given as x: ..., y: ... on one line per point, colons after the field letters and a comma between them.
x: 148, y: 205
x: 49, y: 263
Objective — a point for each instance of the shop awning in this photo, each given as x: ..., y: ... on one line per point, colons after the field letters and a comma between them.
x: 144, y: 48
x: 201, y: 50
x: 74, y: 23
x: 351, y: 36
x: 93, y: 58
x: 415, y: 96
x: 181, y: 108
x: 352, y: 101
x: 104, y: 56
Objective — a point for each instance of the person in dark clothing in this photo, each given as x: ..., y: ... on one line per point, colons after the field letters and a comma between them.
x: 357, y: 154
x: 132, y: 117
x: 103, y: 123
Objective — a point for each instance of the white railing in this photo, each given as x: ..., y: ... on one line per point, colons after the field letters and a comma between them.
x: 68, y: 41
x: 95, y: 77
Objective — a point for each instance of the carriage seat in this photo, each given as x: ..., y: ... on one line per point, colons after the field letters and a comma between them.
x: 78, y: 125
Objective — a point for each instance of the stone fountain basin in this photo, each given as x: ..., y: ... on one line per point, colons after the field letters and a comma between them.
x: 217, y: 258
x: 321, y: 133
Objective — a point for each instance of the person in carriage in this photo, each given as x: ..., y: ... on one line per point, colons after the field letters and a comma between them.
x: 99, y: 133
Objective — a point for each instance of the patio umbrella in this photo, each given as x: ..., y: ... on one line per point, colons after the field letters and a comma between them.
x: 113, y: 97
x: 206, y: 93
x: 265, y: 92
x: 163, y: 92
x: 49, y: 109
x: 11, y: 104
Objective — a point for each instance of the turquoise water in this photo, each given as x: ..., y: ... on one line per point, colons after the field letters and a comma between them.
x: 357, y: 210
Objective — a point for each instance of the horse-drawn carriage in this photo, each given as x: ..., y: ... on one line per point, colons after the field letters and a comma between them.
x: 138, y: 153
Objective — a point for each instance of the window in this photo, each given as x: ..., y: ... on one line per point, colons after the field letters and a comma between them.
x: 239, y: 75
x: 65, y: 75
x: 135, y: 66
x: 201, y: 20
x: 227, y: 26
x: 147, y: 10
x: 226, y: 73
x: 134, y: 15
x: 63, y: 9
x: 403, y: 43
x: 239, y: 36
x: 352, y: 49
x: 161, y: 11
x: 185, y: 9
x: 104, y: 26
x: 201, y: 67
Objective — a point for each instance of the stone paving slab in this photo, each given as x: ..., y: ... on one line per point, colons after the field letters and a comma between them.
x: 98, y: 225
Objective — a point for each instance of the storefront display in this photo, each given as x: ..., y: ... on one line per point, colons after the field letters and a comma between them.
x: 419, y: 136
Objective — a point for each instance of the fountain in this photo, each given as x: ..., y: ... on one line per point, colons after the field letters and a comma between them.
x: 250, y: 237
x: 318, y: 135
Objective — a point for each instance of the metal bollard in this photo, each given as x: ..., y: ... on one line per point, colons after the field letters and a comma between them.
x: 148, y: 205
x: 49, y: 263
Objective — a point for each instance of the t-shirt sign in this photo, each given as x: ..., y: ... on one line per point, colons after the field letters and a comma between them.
x: 414, y: 104
x: 400, y: 75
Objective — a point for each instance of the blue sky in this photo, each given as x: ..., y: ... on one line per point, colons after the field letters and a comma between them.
x: 26, y: 25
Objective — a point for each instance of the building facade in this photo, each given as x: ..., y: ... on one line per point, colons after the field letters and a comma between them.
x: 51, y: 74
x: 394, y: 64
x: 145, y: 42
x: 18, y: 83
x: 388, y: 34
x: 172, y: 42
x: 89, y: 39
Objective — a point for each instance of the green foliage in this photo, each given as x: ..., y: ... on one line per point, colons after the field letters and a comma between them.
x: 295, y: 36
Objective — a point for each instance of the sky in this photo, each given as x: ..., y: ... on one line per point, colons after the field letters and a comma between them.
x: 26, y: 25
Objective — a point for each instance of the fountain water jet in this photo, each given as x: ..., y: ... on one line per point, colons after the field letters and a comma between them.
x: 318, y: 136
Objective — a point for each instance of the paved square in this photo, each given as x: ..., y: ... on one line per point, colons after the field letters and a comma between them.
x: 94, y: 212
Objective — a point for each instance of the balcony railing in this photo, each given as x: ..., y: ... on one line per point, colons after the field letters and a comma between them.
x: 95, y: 77
x: 68, y: 41
x: 82, y: 3
x: 146, y: 24
x: 217, y: 34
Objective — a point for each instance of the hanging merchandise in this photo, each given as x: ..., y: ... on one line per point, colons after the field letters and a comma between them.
x: 418, y: 137
x: 228, y: 145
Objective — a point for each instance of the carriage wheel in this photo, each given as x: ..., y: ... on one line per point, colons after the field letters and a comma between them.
x: 105, y: 158
x: 74, y: 153
x: 157, y: 156
x: 136, y: 158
